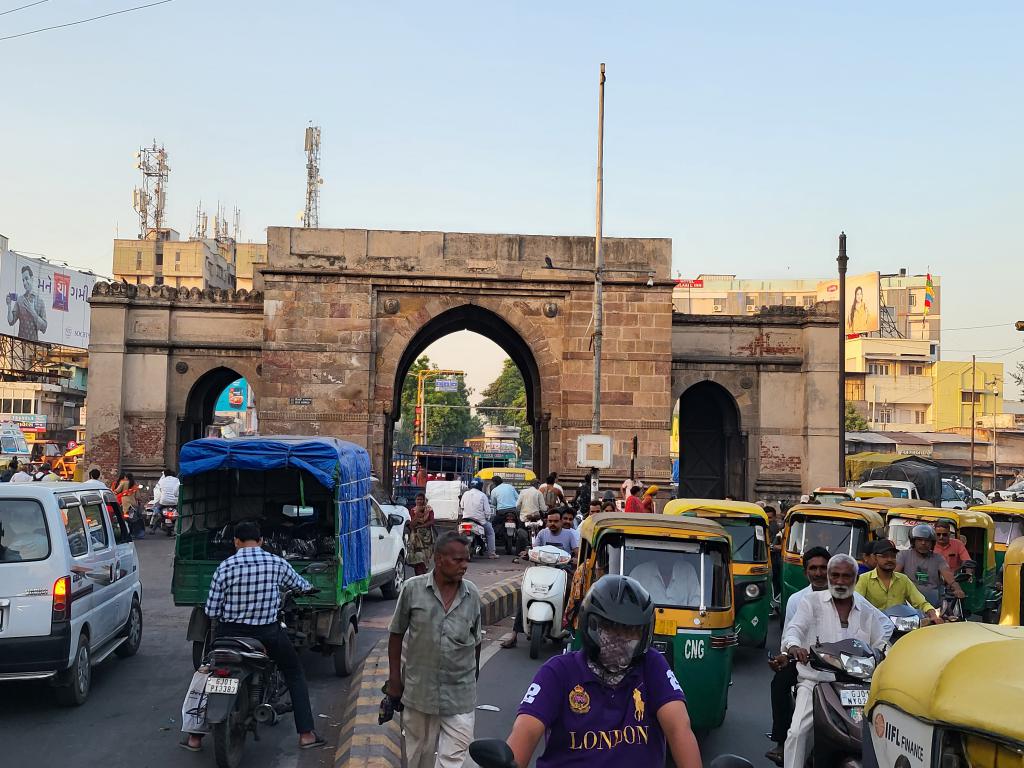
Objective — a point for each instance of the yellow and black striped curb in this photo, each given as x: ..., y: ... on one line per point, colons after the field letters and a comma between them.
x: 363, y: 743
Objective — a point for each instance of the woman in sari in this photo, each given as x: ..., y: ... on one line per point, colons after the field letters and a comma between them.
x: 421, y: 536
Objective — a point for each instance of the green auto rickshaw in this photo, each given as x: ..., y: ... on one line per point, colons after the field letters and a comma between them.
x: 747, y: 526
x: 684, y: 563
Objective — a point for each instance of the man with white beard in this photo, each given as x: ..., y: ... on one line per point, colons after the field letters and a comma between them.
x: 827, y: 617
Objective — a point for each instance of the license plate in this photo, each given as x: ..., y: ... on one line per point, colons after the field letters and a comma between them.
x: 510, y: 527
x: 853, y: 697
x: 222, y: 685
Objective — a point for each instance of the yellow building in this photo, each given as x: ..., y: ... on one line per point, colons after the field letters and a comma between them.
x: 246, y: 255
x: 177, y: 263
x: 954, y: 389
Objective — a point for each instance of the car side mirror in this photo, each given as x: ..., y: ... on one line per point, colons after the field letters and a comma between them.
x: 395, y: 519
x: 492, y: 753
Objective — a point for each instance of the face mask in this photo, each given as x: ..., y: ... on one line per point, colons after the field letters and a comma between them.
x: 839, y: 593
x: 615, y: 657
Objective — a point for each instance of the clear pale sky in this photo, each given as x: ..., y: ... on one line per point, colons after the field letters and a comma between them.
x: 749, y: 133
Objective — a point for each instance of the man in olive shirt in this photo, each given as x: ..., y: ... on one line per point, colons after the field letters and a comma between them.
x: 440, y: 613
x: 884, y: 587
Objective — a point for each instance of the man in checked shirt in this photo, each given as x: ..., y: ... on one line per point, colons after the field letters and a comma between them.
x: 245, y: 597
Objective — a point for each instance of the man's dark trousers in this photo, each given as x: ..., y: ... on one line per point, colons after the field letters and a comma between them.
x: 281, y: 650
x: 782, y: 702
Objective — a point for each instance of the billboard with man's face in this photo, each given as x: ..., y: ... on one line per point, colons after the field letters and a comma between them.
x: 861, y: 301
x: 43, y: 302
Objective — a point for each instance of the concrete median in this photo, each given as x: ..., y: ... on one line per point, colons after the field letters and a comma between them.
x: 362, y: 743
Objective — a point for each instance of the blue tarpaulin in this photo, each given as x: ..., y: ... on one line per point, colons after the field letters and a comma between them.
x: 337, y: 465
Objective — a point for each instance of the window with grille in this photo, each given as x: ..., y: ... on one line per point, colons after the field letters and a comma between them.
x: 138, y: 260
x: 966, y: 397
x: 914, y: 370
x: 878, y: 369
x: 885, y: 415
x: 919, y: 417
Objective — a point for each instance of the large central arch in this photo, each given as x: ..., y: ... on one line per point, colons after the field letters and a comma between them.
x: 471, y: 317
x: 711, y: 464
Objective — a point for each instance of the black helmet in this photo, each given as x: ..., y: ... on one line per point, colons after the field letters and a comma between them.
x: 922, y: 531
x: 618, y: 600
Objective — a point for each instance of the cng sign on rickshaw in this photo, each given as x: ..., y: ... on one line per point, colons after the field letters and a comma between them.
x: 693, y: 648
x: 899, y: 740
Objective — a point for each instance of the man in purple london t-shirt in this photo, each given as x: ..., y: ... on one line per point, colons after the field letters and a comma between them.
x: 614, y: 703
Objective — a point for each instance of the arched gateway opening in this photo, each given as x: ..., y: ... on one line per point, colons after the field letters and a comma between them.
x: 710, y: 444
x: 491, y: 326
x: 214, y: 398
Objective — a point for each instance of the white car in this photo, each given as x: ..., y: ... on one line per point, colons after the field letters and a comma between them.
x: 70, y: 593
x: 387, y: 548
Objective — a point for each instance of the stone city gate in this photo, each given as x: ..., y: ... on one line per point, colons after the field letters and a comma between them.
x: 338, y: 318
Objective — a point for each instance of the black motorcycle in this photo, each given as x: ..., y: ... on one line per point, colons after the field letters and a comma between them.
x: 838, y: 706
x: 509, y: 529
x: 244, y: 690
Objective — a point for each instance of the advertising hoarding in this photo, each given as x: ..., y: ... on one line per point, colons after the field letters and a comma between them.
x: 234, y: 398
x: 862, y: 311
x: 44, y: 302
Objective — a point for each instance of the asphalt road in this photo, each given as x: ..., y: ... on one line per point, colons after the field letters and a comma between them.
x: 132, y: 718
x: 506, y: 675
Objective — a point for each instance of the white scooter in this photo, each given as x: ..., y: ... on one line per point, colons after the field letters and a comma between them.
x: 544, y: 588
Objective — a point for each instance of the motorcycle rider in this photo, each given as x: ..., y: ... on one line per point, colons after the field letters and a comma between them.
x: 616, y: 683
x: 825, y: 617
x: 884, y: 587
x: 165, y: 494
x: 927, y: 569
x: 245, y: 598
x: 476, y: 507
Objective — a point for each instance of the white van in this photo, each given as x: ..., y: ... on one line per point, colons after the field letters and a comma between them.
x: 900, y: 489
x: 70, y: 593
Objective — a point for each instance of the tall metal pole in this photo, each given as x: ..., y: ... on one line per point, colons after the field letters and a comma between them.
x: 843, y: 261
x: 974, y: 366
x: 598, y: 276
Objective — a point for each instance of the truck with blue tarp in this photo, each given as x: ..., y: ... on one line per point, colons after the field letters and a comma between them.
x: 311, y: 498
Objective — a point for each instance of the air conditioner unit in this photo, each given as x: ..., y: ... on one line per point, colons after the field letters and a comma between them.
x: 751, y: 308
x: 716, y: 308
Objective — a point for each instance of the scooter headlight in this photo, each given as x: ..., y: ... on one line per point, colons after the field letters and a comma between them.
x: 858, y: 666
x: 906, y: 623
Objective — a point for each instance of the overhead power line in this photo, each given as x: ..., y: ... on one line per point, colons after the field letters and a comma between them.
x: 84, y: 21
x: 23, y: 7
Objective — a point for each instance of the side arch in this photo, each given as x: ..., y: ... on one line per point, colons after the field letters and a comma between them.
x: 711, y: 450
x: 201, y: 401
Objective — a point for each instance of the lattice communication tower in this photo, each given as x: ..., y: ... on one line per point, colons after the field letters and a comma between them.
x: 311, y: 216
x: 150, y: 200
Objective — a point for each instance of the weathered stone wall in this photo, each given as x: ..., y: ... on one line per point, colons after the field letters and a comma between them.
x: 781, y: 367
x: 342, y: 306
x: 148, y: 347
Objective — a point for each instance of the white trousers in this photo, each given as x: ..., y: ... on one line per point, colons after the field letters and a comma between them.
x: 447, y: 735
x: 800, y: 739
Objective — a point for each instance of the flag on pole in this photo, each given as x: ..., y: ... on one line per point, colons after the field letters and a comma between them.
x: 929, y: 293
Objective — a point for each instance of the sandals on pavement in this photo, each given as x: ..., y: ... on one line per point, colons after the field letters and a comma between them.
x: 318, y: 742
x: 508, y: 642
x: 185, y: 745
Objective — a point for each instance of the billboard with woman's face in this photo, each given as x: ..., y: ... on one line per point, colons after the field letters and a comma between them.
x: 861, y: 301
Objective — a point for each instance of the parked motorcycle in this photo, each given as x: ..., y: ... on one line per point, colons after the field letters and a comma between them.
x: 838, y: 706
x: 244, y: 690
x: 150, y: 517
x: 473, y: 531
x: 544, y: 589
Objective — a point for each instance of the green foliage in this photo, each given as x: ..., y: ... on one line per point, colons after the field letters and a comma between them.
x: 445, y: 426
x: 508, y: 390
x: 854, y: 421
x: 1018, y: 376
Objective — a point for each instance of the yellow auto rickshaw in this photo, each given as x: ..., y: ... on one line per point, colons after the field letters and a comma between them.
x: 949, y: 697
x: 1013, y: 585
x: 977, y: 531
x: 1008, y: 517
x: 839, y: 528
x: 747, y: 526
x: 517, y: 477
x: 684, y: 563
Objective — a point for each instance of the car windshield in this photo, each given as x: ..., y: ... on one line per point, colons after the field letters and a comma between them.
x: 672, y: 571
x: 23, y: 533
x: 837, y: 536
x: 748, y: 540
x: 900, y: 528
x: 831, y: 498
x: 1008, y: 529
x: 897, y: 492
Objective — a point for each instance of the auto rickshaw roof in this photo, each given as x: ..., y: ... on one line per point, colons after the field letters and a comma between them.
x: 488, y: 473
x: 696, y: 526
x: 968, y: 675
x: 1015, y: 552
x: 885, y: 503
x: 1015, y: 508
x: 870, y: 516
x: 963, y: 518
x: 715, y: 508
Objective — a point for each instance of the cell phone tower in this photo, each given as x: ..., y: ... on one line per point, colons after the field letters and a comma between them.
x: 150, y: 200
x: 311, y: 216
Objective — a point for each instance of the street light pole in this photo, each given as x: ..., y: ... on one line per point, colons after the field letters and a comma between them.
x: 843, y: 262
x: 974, y: 365
x: 598, y: 275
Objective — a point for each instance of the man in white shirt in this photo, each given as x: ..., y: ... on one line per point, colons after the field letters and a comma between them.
x: 531, y: 501
x: 21, y: 476
x: 477, y: 507
x: 827, y: 617
x: 165, y: 492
